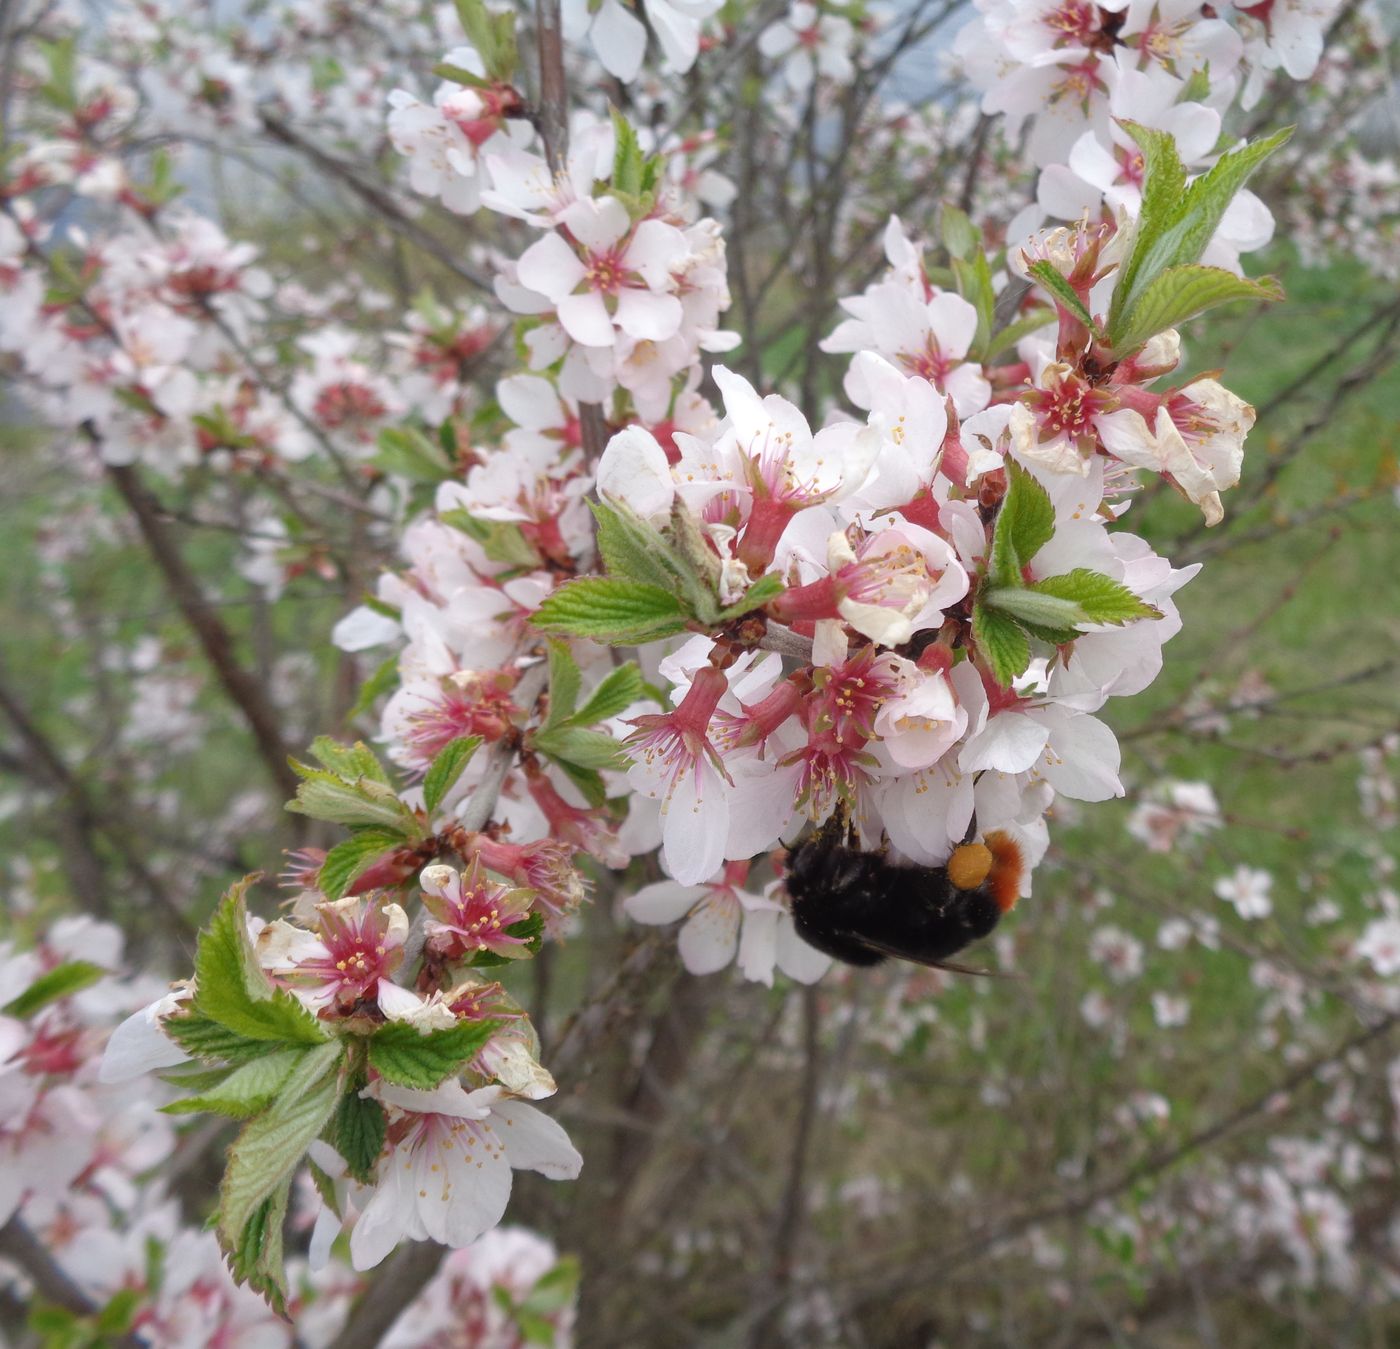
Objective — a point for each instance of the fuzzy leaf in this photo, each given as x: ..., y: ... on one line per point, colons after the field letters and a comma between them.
x: 1025, y: 524
x: 357, y: 1132
x: 588, y: 749
x: 1101, y: 598
x: 232, y: 989
x: 1029, y: 606
x: 247, y: 1090
x: 564, y: 683
x: 1048, y: 278
x: 267, y: 1151
x: 1180, y: 293
x: 1177, y: 221
x: 764, y: 590
x: 348, y: 761
x: 257, y: 1258
x: 59, y: 982
x: 501, y: 540
x: 632, y: 550
x: 407, y: 453
x: 620, y: 612
x: 1001, y: 644
x: 326, y: 796
x: 385, y: 677
x: 210, y: 1042
x: 447, y: 767
x: 351, y: 856
x: 622, y: 687
x: 401, y: 1054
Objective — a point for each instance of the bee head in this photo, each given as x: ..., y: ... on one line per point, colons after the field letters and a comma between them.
x: 995, y: 862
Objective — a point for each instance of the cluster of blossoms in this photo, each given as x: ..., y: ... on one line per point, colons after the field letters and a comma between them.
x: 906, y: 618
x: 89, y: 1166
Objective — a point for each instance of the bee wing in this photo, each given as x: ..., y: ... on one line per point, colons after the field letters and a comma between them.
x: 952, y: 966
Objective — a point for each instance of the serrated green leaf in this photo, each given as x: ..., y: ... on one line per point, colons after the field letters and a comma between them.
x: 1025, y: 524
x: 247, y: 1090
x: 565, y: 680
x: 1101, y: 598
x: 698, y: 583
x: 763, y: 591
x: 60, y: 982
x: 1180, y: 293
x: 1028, y: 605
x: 1001, y: 644
x: 401, y: 1054
x: 352, y: 856
x: 1047, y: 276
x: 627, y: 156
x: 1177, y: 221
x: 233, y: 990
x: 268, y: 1149
x: 632, y: 550
x: 608, y: 610
x: 357, y: 1133
x: 325, y: 796
x: 587, y: 749
x: 622, y: 687
x: 447, y: 767
x: 348, y: 761
x: 210, y: 1042
x: 257, y: 1258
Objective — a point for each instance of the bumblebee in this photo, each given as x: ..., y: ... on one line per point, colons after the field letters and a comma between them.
x: 863, y: 908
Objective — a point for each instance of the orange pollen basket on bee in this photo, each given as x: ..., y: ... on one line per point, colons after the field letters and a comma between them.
x: 1007, y: 868
x: 996, y: 861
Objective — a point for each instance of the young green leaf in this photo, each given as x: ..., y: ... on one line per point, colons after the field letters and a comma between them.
x: 447, y: 767
x: 357, y: 1132
x: 270, y: 1146
x: 210, y: 1042
x: 232, y: 989
x: 586, y: 749
x: 402, y: 1054
x: 407, y: 453
x: 352, y: 856
x: 1027, y: 605
x: 59, y: 982
x: 1001, y: 644
x: 960, y: 235
x: 1024, y: 326
x: 1177, y: 221
x: 247, y: 1090
x: 1180, y: 293
x: 384, y: 678
x: 621, y: 612
x: 1025, y: 524
x: 257, y: 1258
x: 1099, y: 597
x: 565, y: 680
x: 348, y: 761
x: 622, y: 687
x: 501, y: 540
x: 325, y: 796
x: 632, y: 550
x: 1046, y: 275
x: 761, y: 592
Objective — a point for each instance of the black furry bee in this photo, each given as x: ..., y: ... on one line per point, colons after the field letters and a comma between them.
x: 863, y: 908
